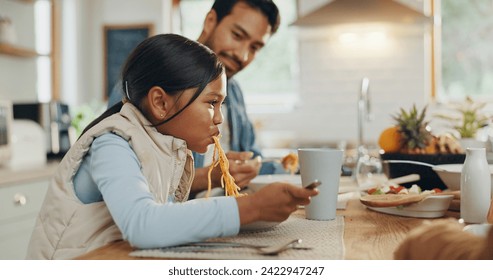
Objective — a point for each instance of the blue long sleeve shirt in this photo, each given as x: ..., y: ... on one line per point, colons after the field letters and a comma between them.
x: 111, y: 172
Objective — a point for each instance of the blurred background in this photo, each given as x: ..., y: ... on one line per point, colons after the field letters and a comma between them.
x: 304, y: 87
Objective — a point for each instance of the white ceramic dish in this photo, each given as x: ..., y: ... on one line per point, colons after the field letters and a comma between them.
x: 346, y: 184
x: 260, y: 181
x: 433, y: 206
x: 259, y: 226
x: 450, y: 175
x: 478, y: 229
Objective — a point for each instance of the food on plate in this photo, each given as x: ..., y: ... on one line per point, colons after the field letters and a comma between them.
x: 390, y: 188
x: 290, y: 163
x: 411, y: 135
x: 393, y: 195
x: 391, y: 200
x: 227, y: 181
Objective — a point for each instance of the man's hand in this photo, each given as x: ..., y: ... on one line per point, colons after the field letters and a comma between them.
x: 242, y: 167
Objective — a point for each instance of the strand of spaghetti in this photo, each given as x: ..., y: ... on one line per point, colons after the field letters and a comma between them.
x: 209, y: 174
x: 227, y: 181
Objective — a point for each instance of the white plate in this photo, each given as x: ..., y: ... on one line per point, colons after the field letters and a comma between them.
x: 261, y: 180
x: 434, y: 206
x: 346, y: 184
x: 259, y: 226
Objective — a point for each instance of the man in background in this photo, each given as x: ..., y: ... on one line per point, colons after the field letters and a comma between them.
x: 236, y: 30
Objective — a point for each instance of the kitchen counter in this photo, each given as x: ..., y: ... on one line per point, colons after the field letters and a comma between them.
x: 9, y: 176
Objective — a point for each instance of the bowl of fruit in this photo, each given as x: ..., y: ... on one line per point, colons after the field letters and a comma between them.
x: 410, y: 140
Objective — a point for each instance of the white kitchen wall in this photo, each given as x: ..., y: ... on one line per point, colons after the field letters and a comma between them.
x: 331, y: 69
x: 92, y: 15
x: 81, y: 58
x: 333, y: 61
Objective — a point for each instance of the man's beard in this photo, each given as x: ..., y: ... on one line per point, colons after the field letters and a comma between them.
x: 229, y: 72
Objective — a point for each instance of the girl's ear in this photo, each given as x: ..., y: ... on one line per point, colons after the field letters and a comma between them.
x: 158, y: 101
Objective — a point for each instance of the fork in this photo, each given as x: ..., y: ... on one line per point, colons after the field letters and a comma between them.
x: 263, y: 250
x: 268, y: 250
x: 276, y: 249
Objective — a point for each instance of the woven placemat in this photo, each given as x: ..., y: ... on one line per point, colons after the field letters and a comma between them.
x: 324, y: 237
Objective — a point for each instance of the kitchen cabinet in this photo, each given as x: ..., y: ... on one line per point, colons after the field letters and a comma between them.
x: 19, y: 207
x: 22, y: 192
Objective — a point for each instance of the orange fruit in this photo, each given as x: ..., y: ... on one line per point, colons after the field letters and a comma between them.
x: 390, y: 140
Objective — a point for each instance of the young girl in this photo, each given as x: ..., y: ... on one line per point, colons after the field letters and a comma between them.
x: 129, y: 174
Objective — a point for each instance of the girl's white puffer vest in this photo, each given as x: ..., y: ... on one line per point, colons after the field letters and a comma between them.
x: 66, y: 228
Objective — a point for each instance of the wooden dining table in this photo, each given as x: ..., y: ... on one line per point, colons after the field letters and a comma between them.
x: 368, y: 235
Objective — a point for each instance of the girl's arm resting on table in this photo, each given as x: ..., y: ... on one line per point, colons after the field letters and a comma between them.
x: 143, y: 222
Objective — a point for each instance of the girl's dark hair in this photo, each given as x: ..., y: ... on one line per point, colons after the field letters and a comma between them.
x: 169, y: 61
x: 266, y: 7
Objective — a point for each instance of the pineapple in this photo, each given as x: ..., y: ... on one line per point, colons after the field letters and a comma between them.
x: 415, y: 134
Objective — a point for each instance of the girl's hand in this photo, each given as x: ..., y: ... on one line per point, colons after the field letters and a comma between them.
x: 274, y: 202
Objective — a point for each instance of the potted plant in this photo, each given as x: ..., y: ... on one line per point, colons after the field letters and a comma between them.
x: 466, y: 119
x: 84, y: 114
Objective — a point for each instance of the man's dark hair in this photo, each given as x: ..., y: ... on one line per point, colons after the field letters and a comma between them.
x: 266, y: 7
